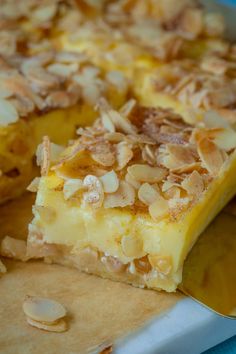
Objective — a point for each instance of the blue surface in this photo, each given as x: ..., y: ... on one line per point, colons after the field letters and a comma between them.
x: 228, y: 347
x: 228, y: 2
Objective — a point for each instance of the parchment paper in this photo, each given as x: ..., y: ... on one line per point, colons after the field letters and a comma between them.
x: 99, y: 311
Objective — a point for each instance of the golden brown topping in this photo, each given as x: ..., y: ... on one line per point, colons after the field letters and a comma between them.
x: 211, y: 156
x: 123, y: 197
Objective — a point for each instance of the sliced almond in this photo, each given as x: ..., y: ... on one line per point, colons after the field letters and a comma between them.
x: 193, y: 184
x: 71, y: 186
x: 128, y: 107
x: 114, y: 137
x: 102, y: 154
x: 132, y: 181
x: 13, y: 248
x: 124, y: 154
x: 110, y: 182
x: 8, y: 113
x: 132, y: 246
x: 173, y: 192
x: 159, y: 209
x: 146, y: 173
x: 226, y: 139
x: 211, y: 156
x: 64, y: 70
x: 43, y: 156
x: 120, y: 122
x: 33, y: 186
x: 58, y: 327
x: 124, y: 196
x: 95, y: 193
x: 148, y: 155
x: 43, y: 310
x: 147, y: 194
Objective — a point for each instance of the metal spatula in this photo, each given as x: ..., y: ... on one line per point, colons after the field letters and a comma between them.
x: 209, y: 274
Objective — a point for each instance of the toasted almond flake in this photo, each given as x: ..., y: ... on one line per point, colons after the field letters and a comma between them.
x: 177, y: 155
x: 8, y: 113
x: 107, y: 123
x: 117, y: 79
x: 70, y: 57
x: 124, y: 196
x: 58, y: 327
x: 193, y: 184
x: 132, y: 181
x: 214, y: 24
x: 192, y: 21
x: 159, y: 209
x: 64, y: 70
x: 43, y: 309
x: 71, y: 186
x: 128, y: 107
x: 120, y: 122
x: 33, y: 186
x: 132, y: 246
x: 43, y: 155
x: 226, y: 139
x: 103, y: 154
x: 46, y: 213
x: 188, y: 168
x: 110, y: 182
x: 124, y: 154
x: 13, y: 248
x: 214, y: 65
x: 44, y: 13
x: 173, y: 192
x: 162, y: 263
x: 211, y: 156
x: 148, y: 155
x: 147, y: 194
x: 212, y: 119
x: 95, y: 193
x: 114, y: 137
x: 3, y: 268
x: 146, y: 173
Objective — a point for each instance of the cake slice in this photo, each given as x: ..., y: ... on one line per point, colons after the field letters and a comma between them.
x: 191, y: 87
x: 50, y: 93
x: 128, y: 199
